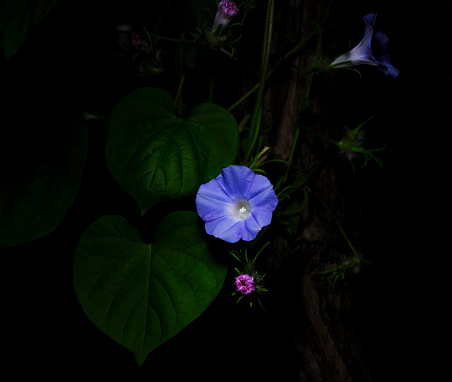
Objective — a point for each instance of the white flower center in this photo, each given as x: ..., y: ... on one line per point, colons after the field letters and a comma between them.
x: 242, y: 209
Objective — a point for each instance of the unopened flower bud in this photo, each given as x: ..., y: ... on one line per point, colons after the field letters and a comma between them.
x: 244, y: 284
x: 226, y: 11
x: 135, y: 40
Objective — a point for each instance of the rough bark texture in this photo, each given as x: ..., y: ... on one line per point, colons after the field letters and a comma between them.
x: 323, y: 338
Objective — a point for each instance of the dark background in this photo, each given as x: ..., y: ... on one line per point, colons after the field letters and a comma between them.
x: 67, y: 58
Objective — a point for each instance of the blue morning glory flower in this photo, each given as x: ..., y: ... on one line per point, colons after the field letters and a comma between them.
x: 363, y: 54
x: 236, y: 204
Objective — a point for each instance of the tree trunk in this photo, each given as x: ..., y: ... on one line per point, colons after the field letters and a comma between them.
x: 323, y: 338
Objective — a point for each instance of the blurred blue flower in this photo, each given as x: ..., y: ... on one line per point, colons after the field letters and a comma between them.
x: 236, y: 204
x: 363, y: 54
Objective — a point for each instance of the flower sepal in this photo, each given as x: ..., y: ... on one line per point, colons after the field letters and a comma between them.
x: 346, y: 266
x: 351, y: 146
x: 148, y: 58
x: 261, y: 159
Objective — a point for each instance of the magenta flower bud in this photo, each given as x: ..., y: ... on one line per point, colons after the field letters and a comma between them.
x: 244, y: 284
x: 226, y: 11
x: 135, y: 40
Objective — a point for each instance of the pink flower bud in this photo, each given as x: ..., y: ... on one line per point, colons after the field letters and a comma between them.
x: 226, y: 11
x: 135, y: 40
x: 228, y: 8
x: 244, y: 284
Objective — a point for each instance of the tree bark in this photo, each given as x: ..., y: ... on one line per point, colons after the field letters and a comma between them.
x: 324, y: 341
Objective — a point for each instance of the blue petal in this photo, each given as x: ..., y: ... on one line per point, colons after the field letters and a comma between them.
x: 223, y: 228
x: 362, y: 53
x: 260, y: 184
x: 370, y: 19
x: 212, y: 202
x: 215, y: 192
x: 382, y: 42
x: 263, y: 204
x: 236, y: 181
x: 211, y: 210
x: 262, y: 216
x: 232, y: 230
x: 252, y: 228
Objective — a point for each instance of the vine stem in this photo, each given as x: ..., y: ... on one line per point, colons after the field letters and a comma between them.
x: 292, y: 151
x: 177, y: 98
x: 285, y: 57
x: 254, y: 129
x: 345, y: 236
x: 211, y: 87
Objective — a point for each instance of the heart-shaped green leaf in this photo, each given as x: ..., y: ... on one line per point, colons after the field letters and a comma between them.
x: 156, y: 156
x: 38, y: 187
x: 17, y: 18
x: 143, y: 294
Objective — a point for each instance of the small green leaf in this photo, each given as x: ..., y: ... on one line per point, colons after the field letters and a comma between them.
x: 16, y: 19
x: 143, y: 294
x: 156, y: 156
x: 37, y: 189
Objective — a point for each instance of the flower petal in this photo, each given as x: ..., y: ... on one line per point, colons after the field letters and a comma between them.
x: 261, y: 194
x: 211, y: 210
x: 232, y: 230
x: 362, y: 53
x: 244, y: 284
x: 260, y: 184
x: 215, y: 192
x: 237, y: 180
x: 370, y: 20
x: 212, y: 202
x: 226, y: 228
x: 262, y: 206
x: 381, y: 42
x: 252, y: 228
x: 262, y: 217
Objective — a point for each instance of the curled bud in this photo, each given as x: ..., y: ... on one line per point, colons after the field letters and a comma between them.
x: 244, y: 284
x: 135, y: 40
x: 139, y: 44
x: 226, y: 11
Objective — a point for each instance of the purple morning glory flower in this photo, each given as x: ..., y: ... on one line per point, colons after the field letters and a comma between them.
x: 244, y: 284
x: 236, y: 204
x: 363, y: 54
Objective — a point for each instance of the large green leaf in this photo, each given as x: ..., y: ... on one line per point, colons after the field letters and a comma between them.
x: 156, y: 156
x: 37, y: 187
x: 16, y: 19
x: 143, y: 294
